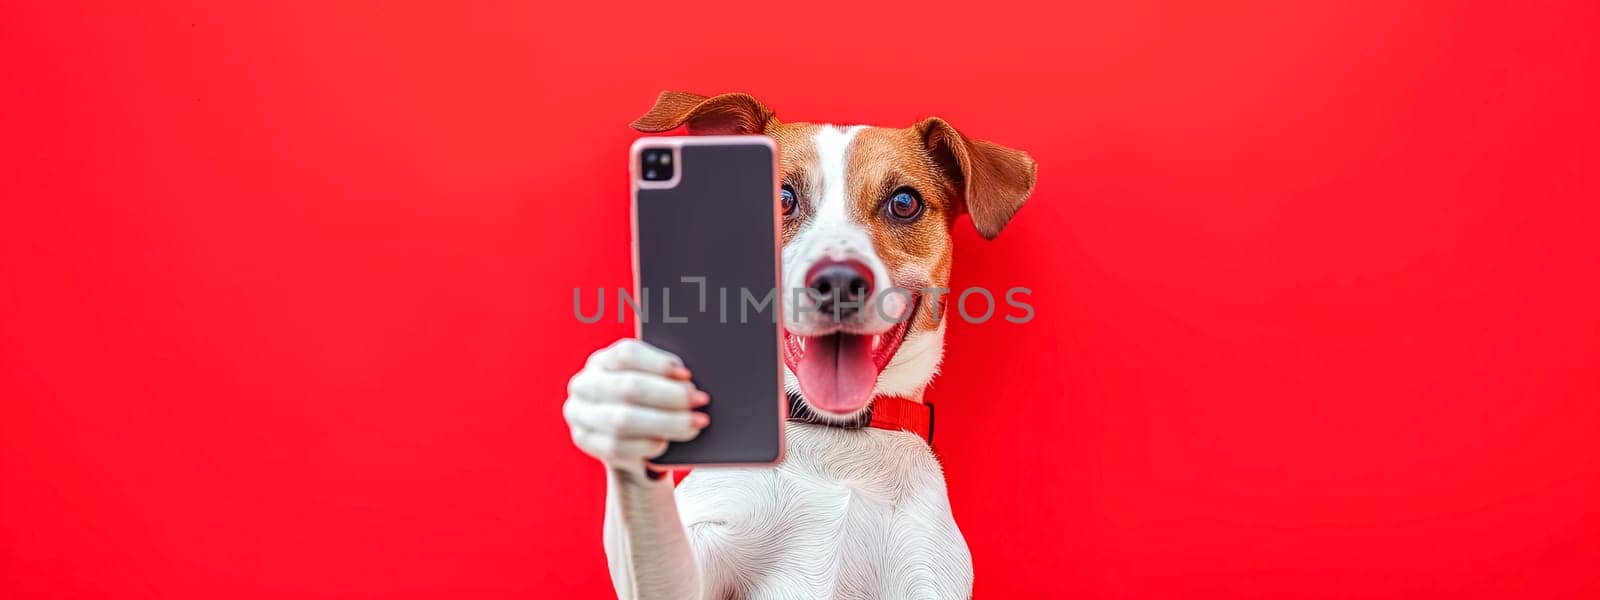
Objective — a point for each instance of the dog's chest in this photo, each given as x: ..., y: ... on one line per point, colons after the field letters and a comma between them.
x: 849, y: 514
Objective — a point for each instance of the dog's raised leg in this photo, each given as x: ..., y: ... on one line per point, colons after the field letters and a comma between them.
x: 646, y: 546
x: 629, y: 400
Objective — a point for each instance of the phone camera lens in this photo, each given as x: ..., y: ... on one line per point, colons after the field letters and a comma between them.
x: 656, y: 164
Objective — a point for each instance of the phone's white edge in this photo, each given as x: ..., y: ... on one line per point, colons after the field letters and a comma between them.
x: 676, y: 143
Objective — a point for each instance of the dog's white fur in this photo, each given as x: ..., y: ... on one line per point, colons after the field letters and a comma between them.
x: 849, y: 513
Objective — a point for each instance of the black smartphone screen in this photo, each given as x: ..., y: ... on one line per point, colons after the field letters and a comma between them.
x: 707, y: 263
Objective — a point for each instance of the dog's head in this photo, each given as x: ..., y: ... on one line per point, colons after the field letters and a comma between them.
x: 867, y: 217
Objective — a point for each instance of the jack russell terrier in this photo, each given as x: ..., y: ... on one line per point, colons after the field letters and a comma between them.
x: 858, y: 507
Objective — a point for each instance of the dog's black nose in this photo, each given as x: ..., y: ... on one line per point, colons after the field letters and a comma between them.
x: 843, y: 286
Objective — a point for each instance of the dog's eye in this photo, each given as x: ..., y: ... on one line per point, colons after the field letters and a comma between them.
x: 905, y: 204
x: 789, y: 202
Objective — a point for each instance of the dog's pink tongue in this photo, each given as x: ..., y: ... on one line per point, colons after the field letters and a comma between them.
x: 837, y: 372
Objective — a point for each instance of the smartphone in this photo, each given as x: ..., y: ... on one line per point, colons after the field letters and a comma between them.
x: 706, y: 229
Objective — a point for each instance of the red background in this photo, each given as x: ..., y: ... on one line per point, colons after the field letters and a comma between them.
x: 286, y: 290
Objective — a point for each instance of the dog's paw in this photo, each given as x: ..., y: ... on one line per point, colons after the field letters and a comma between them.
x: 629, y: 400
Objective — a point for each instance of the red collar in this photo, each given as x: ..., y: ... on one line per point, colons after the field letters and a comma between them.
x: 900, y: 414
x: 888, y: 412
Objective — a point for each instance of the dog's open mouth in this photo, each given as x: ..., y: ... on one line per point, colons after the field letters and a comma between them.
x: 838, y: 371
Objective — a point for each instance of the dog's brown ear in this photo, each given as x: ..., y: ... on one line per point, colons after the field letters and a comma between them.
x: 994, y: 180
x: 727, y: 114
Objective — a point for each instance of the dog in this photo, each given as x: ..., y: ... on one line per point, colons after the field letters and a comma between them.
x: 858, y: 506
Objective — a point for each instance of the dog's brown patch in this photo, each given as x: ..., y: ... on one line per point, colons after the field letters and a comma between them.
x: 797, y: 168
x: 917, y: 252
